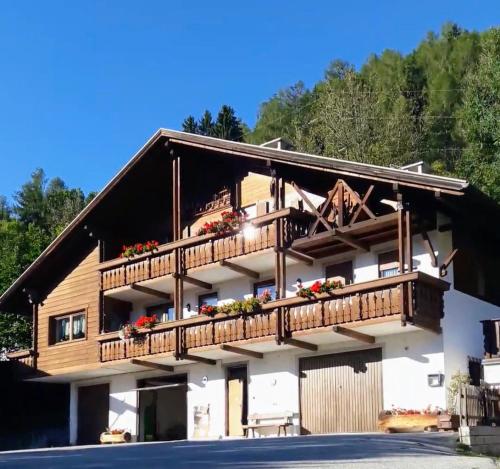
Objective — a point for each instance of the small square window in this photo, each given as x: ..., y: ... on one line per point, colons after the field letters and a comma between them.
x: 260, y: 287
x: 388, y: 264
x: 164, y: 312
x: 210, y: 299
x: 68, y: 327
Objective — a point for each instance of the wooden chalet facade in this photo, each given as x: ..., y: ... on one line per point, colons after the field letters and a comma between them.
x: 415, y: 255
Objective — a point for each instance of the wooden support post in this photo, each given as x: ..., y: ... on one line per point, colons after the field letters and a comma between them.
x: 34, y: 341
x: 177, y: 233
x: 409, y: 260
x: 340, y: 204
x: 401, y: 257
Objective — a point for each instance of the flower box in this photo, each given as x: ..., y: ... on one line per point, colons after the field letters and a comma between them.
x: 409, y: 423
x: 113, y: 437
x: 448, y: 422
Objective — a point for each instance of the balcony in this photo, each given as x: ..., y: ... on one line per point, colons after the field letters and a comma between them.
x: 198, y: 251
x: 23, y: 357
x: 414, y: 299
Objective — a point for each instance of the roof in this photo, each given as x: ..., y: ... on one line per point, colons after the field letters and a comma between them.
x: 334, y: 165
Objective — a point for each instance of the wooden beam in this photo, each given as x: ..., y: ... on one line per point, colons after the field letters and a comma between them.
x: 147, y: 364
x: 443, y: 270
x: 299, y: 256
x: 311, y: 206
x: 241, y: 351
x: 429, y: 248
x: 194, y: 281
x: 151, y: 291
x: 240, y: 269
x: 300, y: 344
x: 350, y: 241
x: 196, y: 358
x: 368, y: 339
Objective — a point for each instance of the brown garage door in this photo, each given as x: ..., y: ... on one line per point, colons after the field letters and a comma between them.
x: 341, y: 392
x: 93, y: 413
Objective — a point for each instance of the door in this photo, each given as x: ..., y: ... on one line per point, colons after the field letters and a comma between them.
x: 341, y: 392
x: 93, y: 413
x: 236, y: 400
x: 163, y: 408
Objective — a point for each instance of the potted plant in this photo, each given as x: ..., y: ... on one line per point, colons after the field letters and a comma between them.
x: 127, y: 331
x: 139, y: 248
x: 450, y: 420
x: 318, y: 287
x: 147, y: 322
x: 115, y: 436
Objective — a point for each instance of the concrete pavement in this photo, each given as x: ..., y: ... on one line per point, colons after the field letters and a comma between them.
x: 346, y: 451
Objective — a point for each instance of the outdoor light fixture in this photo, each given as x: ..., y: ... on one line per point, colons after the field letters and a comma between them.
x: 435, y: 380
x: 248, y: 231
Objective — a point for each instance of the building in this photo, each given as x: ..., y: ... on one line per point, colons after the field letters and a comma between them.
x: 413, y: 257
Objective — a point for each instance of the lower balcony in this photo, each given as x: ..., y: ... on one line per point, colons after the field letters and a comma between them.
x: 360, y: 312
x: 25, y: 358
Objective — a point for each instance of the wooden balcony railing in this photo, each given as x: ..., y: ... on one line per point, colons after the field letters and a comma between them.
x: 23, y: 357
x: 491, y: 335
x: 415, y: 297
x: 201, y: 250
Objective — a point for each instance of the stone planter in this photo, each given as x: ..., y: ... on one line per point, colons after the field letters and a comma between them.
x: 407, y: 423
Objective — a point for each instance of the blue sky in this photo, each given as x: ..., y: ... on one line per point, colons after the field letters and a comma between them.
x: 85, y: 83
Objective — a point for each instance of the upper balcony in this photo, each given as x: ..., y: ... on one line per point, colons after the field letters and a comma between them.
x: 199, y: 251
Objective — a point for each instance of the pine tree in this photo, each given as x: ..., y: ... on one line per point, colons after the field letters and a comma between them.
x: 228, y: 126
x: 190, y: 125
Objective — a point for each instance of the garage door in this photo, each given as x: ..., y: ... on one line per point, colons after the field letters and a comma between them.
x: 93, y: 413
x: 341, y: 392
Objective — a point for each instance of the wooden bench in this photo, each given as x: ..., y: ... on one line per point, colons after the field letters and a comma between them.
x: 280, y: 420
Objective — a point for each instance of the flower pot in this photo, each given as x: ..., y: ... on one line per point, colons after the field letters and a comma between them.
x: 408, y: 423
x: 112, y: 438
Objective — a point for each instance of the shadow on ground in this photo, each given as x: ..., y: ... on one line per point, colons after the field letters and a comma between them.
x: 371, y: 451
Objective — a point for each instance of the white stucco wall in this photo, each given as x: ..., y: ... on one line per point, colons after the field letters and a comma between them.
x: 491, y: 368
x: 408, y: 357
x: 274, y: 384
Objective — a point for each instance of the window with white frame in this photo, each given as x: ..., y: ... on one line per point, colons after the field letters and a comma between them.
x: 67, y: 327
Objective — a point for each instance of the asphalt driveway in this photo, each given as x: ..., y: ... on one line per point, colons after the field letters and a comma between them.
x: 353, y: 451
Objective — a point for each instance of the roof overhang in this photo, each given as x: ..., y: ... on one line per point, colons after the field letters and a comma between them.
x: 285, y: 157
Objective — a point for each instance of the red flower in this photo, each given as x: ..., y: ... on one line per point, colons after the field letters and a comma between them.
x: 316, y: 287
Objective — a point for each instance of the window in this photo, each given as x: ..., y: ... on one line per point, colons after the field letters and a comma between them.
x: 164, y: 312
x: 210, y: 299
x: 388, y: 264
x: 67, y: 327
x: 260, y: 287
x: 342, y: 269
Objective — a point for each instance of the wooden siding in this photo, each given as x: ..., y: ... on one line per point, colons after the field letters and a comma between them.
x: 341, y: 392
x: 78, y: 291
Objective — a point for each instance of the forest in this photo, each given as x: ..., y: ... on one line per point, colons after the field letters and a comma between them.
x: 439, y: 103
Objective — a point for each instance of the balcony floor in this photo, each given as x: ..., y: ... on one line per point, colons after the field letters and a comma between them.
x: 261, y: 262
x: 324, y: 338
